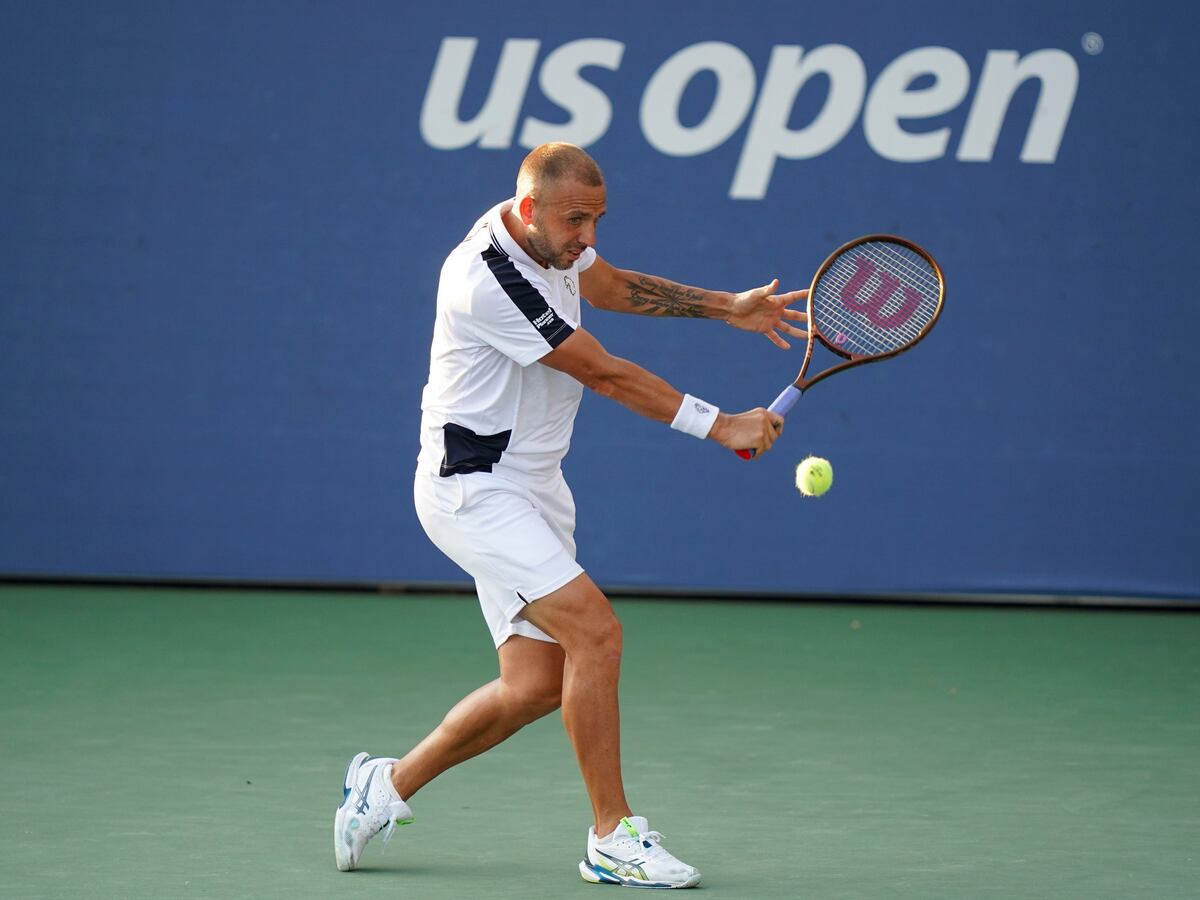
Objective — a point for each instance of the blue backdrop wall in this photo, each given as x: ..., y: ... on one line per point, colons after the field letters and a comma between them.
x: 223, y: 225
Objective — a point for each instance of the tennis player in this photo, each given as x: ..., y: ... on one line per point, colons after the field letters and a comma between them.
x: 508, y: 366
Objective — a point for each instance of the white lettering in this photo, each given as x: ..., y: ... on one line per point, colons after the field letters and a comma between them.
x: 660, y: 103
x: 891, y: 100
x: 560, y: 81
x: 494, y: 125
x: 1002, y: 74
x: 891, y: 104
x: 770, y: 138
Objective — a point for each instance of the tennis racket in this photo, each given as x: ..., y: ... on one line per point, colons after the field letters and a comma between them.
x: 872, y: 298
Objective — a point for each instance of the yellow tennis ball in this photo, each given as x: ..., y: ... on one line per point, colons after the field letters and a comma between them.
x: 814, y: 476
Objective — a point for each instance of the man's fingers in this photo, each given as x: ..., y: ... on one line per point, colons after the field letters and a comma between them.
x: 769, y: 435
x: 793, y: 331
x: 767, y: 290
x: 797, y: 314
x: 774, y: 428
x: 792, y: 296
x: 778, y: 341
x: 757, y: 429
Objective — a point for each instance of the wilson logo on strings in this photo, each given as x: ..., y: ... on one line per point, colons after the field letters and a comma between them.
x: 872, y: 306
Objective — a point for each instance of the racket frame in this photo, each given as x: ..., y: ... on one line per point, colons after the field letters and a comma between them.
x: 792, y: 393
x: 852, y: 359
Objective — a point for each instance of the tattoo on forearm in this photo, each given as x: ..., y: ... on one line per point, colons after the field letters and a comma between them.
x: 657, y: 297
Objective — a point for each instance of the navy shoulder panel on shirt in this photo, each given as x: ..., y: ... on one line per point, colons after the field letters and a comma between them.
x: 528, y: 299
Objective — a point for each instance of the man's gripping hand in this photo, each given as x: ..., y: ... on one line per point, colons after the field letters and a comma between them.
x: 754, y: 430
x: 766, y: 312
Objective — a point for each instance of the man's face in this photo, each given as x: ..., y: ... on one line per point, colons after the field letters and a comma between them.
x: 564, y: 218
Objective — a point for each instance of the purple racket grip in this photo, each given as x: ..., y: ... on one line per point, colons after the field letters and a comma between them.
x: 785, y: 401
x: 782, y: 405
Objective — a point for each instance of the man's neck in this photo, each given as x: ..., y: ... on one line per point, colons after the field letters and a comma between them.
x: 516, y: 230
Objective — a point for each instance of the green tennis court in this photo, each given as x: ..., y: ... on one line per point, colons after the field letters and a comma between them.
x: 190, y: 743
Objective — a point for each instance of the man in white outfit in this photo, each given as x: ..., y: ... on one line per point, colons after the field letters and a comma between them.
x: 508, y: 365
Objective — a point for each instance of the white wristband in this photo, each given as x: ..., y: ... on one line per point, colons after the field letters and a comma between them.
x: 695, y: 417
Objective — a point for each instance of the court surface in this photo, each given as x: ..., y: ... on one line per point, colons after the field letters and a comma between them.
x: 191, y: 743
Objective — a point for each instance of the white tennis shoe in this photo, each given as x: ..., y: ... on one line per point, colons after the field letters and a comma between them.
x: 370, y: 804
x: 633, y: 856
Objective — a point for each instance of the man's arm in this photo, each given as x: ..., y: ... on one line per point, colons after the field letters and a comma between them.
x: 583, y: 358
x: 761, y: 310
x: 623, y: 290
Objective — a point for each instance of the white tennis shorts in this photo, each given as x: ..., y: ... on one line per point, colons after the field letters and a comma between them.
x: 516, y: 539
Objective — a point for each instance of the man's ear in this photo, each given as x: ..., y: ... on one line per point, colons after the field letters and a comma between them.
x: 525, y: 209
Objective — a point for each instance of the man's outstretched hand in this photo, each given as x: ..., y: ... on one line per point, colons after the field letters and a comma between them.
x: 766, y: 312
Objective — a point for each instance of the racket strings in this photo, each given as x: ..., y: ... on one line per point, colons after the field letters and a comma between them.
x: 870, y: 334
x: 880, y: 323
x: 905, y: 267
x: 880, y: 326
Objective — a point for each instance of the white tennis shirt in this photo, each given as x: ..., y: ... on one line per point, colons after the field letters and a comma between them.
x: 488, y: 406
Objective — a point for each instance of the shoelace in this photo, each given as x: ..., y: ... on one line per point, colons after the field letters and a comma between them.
x: 654, y: 837
x: 393, y: 811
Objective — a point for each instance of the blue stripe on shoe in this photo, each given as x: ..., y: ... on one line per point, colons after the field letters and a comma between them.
x: 609, y: 877
x: 602, y: 873
x: 347, y: 787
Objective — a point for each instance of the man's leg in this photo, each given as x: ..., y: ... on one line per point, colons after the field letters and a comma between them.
x: 621, y: 849
x: 377, y: 788
x: 580, y: 618
x: 529, y: 687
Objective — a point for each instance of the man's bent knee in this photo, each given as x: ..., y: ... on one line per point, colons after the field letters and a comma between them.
x: 538, y: 700
x: 609, y: 637
x: 531, y: 673
x: 599, y: 638
x: 580, y: 618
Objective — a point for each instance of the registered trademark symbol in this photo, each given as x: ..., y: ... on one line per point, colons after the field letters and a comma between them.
x: 1092, y: 43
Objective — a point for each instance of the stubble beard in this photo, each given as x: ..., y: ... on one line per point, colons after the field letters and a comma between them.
x: 552, y: 256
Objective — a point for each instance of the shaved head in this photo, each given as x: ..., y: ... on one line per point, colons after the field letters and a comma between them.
x: 560, y: 198
x: 556, y: 162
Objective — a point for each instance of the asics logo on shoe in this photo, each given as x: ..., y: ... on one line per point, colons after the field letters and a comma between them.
x: 363, y: 804
x: 626, y: 868
x: 630, y: 872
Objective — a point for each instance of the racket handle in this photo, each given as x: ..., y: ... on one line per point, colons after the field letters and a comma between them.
x: 785, y: 401
x: 782, y: 405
